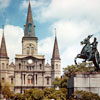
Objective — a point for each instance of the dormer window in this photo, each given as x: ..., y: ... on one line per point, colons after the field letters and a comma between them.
x: 30, y: 27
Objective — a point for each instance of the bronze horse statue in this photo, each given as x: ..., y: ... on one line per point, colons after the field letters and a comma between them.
x: 89, y: 52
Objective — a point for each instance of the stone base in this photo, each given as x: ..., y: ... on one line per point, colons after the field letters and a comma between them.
x: 84, y: 81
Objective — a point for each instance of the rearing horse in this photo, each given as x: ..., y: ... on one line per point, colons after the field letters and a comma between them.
x: 87, y: 53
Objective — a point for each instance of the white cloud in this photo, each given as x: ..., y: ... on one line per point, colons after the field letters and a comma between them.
x: 71, y: 9
x: 75, y: 20
x: 47, y: 44
x: 13, y: 36
x: 69, y: 34
x: 4, y: 3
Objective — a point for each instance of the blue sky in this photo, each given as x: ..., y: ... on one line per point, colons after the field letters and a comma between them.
x: 15, y: 14
x: 73, y: 20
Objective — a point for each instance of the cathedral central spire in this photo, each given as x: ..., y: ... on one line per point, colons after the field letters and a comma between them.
x: 29, y: 27
x: 29, y: 41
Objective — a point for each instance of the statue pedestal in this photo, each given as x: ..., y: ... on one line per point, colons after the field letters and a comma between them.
x: 84, y: 81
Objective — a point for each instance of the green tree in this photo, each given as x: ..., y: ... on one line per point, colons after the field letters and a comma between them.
x: 37, y: 94
x: 60, y: 82
x: 19, y: 96
x: 28, y: 94
x: 84, y: 95
x: 7, y: 93
x: 48, y: 91
x: 34, y: 94
x: 51, y: 93
x: 82, y: 67
x: 63, y: 82
x: 56, y: 82
x: 45, y: 94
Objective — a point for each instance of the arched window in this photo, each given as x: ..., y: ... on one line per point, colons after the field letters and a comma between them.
x: 11, y: 80
x: 27, y: 67
x: 2, y: 65
x: 3, y: 79
x: 36, y: 78
x: 29, y: 27
x: 56, y: 66
x: 40, y: 66
x: 31, y: 81
x: 24, y: 78
x: 6, y: 66
x: 47, y: 81
x: 30, y: 67
x: 28, y: 81
x: 19, y: 66
x: 33, y: 67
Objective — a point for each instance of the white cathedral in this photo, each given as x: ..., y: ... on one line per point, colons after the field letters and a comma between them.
x: 29, y: 70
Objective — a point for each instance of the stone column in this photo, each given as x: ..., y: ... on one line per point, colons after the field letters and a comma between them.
x: 42, y: 79
x: 35, y: 80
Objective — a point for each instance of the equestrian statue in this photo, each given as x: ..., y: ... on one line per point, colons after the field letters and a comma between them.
x: 89, y: 52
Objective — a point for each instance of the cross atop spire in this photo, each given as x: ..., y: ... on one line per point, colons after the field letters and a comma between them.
x: 3, y: 51
x: 29, y: 27
x: 55, y: 55
x: 55, y: 31
x: 3, y: 27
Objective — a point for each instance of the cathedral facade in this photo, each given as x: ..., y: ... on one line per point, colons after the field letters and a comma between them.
x: 29, y: 70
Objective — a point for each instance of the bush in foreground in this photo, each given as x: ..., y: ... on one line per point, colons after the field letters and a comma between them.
x: 84, y: 95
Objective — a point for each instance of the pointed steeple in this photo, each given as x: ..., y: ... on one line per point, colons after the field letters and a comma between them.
x: 55, y: 55
x: 3, y: 51
x: 29, y: 27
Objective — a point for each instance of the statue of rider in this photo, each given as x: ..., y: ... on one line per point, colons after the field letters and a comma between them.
x: 88, y: 50
x: 94, y: 48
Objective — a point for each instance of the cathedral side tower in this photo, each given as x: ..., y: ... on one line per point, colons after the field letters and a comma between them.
x: 4, y: 60
x: 55, y: 62
x: 29, y: 41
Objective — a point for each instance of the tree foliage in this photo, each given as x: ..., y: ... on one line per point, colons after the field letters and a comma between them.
x: 82, y: 67
x: 84, y: 95
x: 56, y: 82
x: 60, y: 82
x: 5, y: 90
x: 19, y: 96
x: 34, y: 94
x: 45, y: 94
x: 52, y: 93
